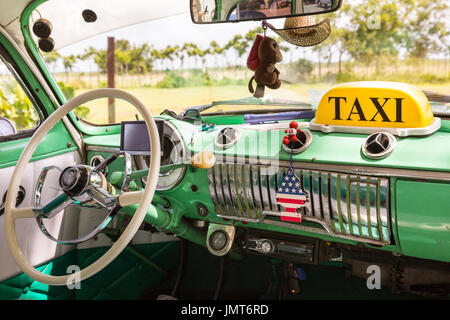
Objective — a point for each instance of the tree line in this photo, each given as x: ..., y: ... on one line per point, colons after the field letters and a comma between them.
x: 143, y: 58
x: 364, y: 32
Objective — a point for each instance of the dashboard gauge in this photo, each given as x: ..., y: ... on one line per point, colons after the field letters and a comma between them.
x: 172, y: 151
x: 6, y: 127
x: 218, y: 240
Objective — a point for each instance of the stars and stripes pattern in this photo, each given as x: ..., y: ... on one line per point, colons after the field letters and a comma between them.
x: 290, y: 196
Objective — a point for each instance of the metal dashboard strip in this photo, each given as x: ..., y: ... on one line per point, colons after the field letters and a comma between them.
x: 343, y: 204
x: 344, y: 168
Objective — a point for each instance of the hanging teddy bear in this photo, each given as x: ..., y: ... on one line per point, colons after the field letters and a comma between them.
x: 265, y: 53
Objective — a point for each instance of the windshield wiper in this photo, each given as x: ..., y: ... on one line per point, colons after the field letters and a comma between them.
x: 436, y: 97
x: 190, y: 115
x: 293, y: 105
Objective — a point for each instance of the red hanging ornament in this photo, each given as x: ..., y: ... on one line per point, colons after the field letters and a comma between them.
x: 293, y: 124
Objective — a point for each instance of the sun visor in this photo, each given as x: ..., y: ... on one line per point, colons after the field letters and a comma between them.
x: 373, y: 106
x: 68, y: 16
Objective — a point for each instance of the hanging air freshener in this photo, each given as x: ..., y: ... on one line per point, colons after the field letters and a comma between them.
x: 290, y: 195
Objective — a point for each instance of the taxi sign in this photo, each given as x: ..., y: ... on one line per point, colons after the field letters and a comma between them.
x: 371, y: 106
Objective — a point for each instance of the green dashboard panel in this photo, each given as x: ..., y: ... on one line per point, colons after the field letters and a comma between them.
x: 412, y: 154
x: 57, y: 141
x: 423, y: 217
x: 334, y: 148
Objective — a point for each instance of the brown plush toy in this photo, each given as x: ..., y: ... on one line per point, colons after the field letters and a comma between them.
x: 263, y: 63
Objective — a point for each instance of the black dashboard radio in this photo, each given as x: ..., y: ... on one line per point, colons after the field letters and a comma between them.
x: 302, y: 250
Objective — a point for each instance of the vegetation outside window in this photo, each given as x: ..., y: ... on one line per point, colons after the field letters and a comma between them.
x: 18, y: 115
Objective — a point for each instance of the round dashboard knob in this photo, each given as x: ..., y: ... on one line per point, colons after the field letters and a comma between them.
x: 266, y: 246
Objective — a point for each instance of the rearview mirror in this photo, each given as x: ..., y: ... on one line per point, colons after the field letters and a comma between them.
x: 214, y: 11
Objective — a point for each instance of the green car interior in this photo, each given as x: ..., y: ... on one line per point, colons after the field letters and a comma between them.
x: 187, y: 202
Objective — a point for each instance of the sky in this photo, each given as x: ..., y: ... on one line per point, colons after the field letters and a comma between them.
x: 169, y: 31
x: 159, y: 33
x: 175, y: 30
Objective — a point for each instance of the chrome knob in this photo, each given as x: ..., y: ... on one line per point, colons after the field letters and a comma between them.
x: 266, y: 246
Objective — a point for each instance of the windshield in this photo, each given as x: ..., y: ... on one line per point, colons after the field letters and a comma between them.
x: 171, y: 63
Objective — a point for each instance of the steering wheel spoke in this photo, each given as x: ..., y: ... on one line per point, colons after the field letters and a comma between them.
x: 22, y: 213
x: 54, y: 207
x: 129, y: 198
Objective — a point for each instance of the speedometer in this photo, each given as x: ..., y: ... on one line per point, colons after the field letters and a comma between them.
x: 172, y: 151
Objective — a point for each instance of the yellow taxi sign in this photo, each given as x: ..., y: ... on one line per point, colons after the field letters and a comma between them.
x: 374, y: 104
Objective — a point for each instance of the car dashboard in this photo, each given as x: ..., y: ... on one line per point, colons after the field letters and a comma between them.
x: 351, y: 199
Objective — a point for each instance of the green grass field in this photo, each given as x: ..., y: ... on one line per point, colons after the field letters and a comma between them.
x: 159, y: 99
x: 180, y: 98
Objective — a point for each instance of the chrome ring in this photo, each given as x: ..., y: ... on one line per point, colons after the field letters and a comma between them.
x: 308, y: 141
x: 98, y: 157
x: 230, y: 144
x: 178, y: 143
x: 386, y: 150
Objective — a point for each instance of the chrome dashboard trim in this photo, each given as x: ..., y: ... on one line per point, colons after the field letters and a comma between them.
x: 179, y: 147
x: 327, y: 230
x: 343, y: 168
x: 353, y: 206
x: 400, y: 132
x: 95, y: 148
x: 271, y: 126
x: 228, y: 230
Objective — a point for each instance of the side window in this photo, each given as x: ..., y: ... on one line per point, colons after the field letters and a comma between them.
x: 17, y: 112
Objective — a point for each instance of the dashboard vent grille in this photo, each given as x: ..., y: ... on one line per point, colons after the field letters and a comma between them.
x: 345, y: 205
x: 379, y: 145
x: 227, y: 137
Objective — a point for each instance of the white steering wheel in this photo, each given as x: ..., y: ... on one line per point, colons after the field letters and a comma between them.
x: 144, y: 198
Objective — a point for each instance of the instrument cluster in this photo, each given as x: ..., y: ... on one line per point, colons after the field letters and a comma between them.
x: 172, y: 151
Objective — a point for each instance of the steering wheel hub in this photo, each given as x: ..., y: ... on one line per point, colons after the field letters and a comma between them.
x: 73, y: 180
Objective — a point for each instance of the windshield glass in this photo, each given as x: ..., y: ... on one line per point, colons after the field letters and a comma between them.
x: 171, y: 63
